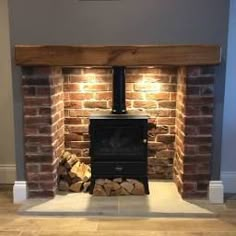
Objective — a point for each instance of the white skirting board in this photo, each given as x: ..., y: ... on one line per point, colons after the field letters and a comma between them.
x: 7, y: 173
x: 216, y: 192
x: 229, y: 180
x: 8, y: 176
x: 20, y: 191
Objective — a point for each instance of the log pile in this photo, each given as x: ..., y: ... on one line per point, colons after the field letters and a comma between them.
x: 118, y: 187
x: 73, y: 175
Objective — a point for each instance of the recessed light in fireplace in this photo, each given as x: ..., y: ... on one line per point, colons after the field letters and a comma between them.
x: 150, y: 83
x: 90, y: 77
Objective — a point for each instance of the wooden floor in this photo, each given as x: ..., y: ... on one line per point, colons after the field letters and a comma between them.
x: 13, y: 224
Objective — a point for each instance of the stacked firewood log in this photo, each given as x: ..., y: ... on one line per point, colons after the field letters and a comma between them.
x: 73, y: 175
x: 117, y: 187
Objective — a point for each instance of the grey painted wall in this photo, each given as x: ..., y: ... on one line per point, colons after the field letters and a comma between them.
x: 7, y: 155
x: 229, y: 127
x: 119, y: 22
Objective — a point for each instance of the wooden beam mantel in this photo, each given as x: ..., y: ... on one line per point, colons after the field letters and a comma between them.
x: 29, y: 55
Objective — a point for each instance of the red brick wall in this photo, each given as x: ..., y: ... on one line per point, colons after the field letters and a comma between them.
x: 180, y: 129
x: 149, y: 90
x: 194, y: 122
x: 43, y: 127
x: 58, y: 102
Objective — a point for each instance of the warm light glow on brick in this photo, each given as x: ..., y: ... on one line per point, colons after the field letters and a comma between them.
x: 89, y: 81
x: 90, y: 77
x: 149, y: 83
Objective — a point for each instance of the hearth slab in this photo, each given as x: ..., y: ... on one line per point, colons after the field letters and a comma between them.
x: 163, y: 201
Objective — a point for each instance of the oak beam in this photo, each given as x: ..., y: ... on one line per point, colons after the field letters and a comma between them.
x: 176, y: 55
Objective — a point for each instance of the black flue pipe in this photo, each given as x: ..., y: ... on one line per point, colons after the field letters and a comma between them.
x: 118, y: 103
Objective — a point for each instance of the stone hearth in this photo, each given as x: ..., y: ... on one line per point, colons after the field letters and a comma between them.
x: 178, y: 99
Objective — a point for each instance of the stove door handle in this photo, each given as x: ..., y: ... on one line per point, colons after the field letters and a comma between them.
x: 118, y: 168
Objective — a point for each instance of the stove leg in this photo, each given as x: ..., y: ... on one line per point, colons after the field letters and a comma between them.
x: 146, y: 187
x: 92, y: 185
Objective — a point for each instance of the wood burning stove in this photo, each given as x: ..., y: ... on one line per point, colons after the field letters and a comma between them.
x: 118, y: 145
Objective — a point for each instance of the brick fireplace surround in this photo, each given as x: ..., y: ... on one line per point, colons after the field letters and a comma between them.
x: 178, y: 98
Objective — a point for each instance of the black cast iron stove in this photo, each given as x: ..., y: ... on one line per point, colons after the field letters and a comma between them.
x: 118, y: 145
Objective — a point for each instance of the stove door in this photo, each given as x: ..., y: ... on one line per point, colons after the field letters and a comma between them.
x: 118, y: 139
